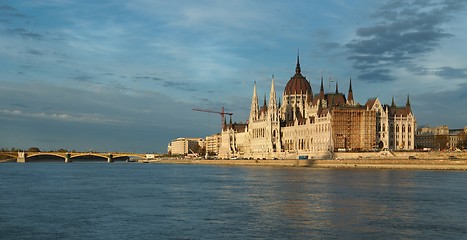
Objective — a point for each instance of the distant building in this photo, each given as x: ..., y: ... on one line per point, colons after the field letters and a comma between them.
x: 213, y: 144
x: 432, y: 138
x: 440, y: 137
x: 308, y: 125
x: 184, y: 146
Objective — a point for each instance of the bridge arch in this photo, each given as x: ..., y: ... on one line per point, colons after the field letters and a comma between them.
x: 61, y: 155
x: 99, y: 155
x: 9, y: 154
x: 129, y: 155
x: 38, y: 156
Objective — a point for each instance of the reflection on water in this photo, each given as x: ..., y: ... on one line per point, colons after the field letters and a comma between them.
x: 145, y: 201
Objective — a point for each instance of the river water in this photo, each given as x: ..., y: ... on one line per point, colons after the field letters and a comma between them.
x: 163, y: 201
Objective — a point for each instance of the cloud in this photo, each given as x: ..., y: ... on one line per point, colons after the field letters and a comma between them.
x: 69, y: 117
x: 330, y: 45
x: 406, y: 30
x: 7, y: 8
x: 449, y: 72
x: 34, y: 52
x: 444, y: 72
x: 25, y: 33
x: 179, y: 86
x: 377, y: 75
x: 11, y: 12
x: 148, y: 78
x: 439, y: 108
x: 83, y: 78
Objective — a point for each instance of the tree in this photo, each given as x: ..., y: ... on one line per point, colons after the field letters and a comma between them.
x: 34, y: 149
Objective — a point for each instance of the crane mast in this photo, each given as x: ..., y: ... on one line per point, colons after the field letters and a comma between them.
x: 222, y: 113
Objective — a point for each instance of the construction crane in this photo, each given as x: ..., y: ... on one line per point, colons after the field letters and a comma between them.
x: 222, y: 113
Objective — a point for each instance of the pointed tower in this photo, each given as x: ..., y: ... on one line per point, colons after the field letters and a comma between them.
x: 337, y: 87
x: 407, y: 105
x: 254, y: 106
x: 297, y: 68
x: 273, y: 124
x: 321, y: 90
x: 272, y: 105
x: 350, y: 100
x: 393, y: 104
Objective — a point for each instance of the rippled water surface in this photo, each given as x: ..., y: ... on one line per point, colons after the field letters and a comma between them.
x: 163, y: 201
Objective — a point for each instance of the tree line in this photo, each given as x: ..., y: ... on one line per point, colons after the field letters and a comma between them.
x: 32, y: 149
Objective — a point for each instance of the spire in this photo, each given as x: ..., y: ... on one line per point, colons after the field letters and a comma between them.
x: 254, y: 90
x: 407, y: 105
x: 297, y: 69
x: 337, y: 87
x: 272, y: 94
x: 254, y: 105
x: 350, y: 95
x: 264, y: 102
x: 393, y: 104
x: 321, y: 90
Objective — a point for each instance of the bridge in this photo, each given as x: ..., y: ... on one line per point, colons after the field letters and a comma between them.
x: 69, y: 156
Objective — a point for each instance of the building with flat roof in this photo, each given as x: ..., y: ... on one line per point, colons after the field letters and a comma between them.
x: 440, y: 138
x: 184, y: 146
x: 213, y: 144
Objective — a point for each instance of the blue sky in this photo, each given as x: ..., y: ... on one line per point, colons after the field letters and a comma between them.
x: 124, y: 75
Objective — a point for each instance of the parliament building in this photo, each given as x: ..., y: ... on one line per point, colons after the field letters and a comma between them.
x: 308, y: 125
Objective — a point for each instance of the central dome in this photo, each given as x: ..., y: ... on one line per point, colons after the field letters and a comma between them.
x: 298, y: 83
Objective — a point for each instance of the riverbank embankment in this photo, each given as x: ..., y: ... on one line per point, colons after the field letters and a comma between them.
x: 398, y: 160
x: 341, y: 163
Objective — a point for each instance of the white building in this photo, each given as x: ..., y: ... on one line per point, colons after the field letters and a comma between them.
x: 314, y: 126
x: 184, y: 146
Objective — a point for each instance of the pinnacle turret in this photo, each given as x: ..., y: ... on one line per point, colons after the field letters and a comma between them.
x: 350, y: 99
x: 407, y: 104
x: 321, y: 90
x: 254, y: 105
x: 297, y: 69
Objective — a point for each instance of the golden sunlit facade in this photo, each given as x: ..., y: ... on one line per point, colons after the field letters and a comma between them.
x: 316, y: 126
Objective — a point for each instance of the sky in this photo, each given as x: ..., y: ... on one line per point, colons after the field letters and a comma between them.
x: 124, y: 75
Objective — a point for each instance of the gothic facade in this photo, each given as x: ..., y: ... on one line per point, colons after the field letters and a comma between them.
x: 308, y: 125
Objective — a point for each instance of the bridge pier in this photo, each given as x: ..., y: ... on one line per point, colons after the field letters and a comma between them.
x: 22, y: 157
x: 110, y: 158
x: 67, y: 157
